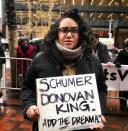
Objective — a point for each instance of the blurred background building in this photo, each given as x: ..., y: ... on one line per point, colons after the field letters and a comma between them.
x: 33, y: 18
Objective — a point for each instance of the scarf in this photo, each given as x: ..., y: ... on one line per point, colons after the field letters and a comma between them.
x: 69, y: 54
x: 72, y: 56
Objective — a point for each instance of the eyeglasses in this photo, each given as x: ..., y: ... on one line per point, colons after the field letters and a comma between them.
x: 66, y: 30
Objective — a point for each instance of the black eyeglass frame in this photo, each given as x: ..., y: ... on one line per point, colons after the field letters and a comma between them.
x: 66, y: 30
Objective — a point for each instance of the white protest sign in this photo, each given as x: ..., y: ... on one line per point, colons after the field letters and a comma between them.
x: 68, y: 103
x: 117, y: 78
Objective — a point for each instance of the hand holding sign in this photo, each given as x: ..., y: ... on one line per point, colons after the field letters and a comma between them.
x: 110, y: 64
x: 33, y: 113
x: 99, y: 126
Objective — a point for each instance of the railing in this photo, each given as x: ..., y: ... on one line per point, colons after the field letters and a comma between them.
x: 13, y: 72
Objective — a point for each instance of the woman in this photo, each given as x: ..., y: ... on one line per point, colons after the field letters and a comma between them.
x: 66, y: 51
x: 23, y: 50
x: 100, y: 50
x: 2, y: 61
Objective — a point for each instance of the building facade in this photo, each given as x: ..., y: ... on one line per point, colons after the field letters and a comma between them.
x: 108, y: 17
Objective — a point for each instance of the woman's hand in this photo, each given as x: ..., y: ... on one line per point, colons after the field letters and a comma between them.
x: 103, y: 119
x: 33, y: 113
x: 99, y: 126
x: 110, y: 64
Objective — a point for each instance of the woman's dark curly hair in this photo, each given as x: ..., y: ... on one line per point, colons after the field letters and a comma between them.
x: 85, y: 32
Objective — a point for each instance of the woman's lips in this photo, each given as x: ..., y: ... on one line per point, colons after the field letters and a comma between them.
x: 68, y: 41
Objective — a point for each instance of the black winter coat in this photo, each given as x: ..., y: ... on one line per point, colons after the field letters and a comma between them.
x: 103, y: 53
x: 122, y: 58
x: 2, y: 61
x: 2, y: 54
x: 51, y: 65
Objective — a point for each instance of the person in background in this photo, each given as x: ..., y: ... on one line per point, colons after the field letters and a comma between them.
x: 23, y: 50
x: 100, y: 50
x: 2, y: 61
x: 67, y: 50
x: 122, y: 59
x: 37, y: 44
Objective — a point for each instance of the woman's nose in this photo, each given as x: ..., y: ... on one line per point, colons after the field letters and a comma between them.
x: 69, y: 34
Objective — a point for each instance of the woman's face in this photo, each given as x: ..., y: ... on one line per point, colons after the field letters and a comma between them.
x: 24, y: 43
x: 95, y: 42
x: 68, y: 33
